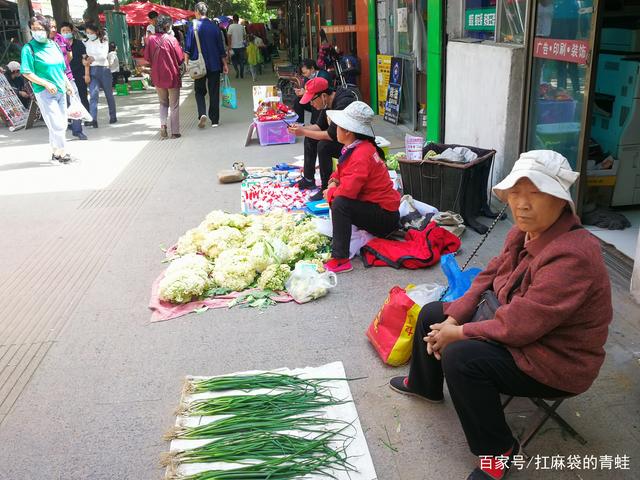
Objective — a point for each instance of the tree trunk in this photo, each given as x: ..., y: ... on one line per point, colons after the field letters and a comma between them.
x: 92, y: 11
x: 61, y: 11
x: 24, y: 13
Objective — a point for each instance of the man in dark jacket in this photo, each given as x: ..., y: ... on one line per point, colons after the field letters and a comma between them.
x: 321, y: 139
x: 215, y: 59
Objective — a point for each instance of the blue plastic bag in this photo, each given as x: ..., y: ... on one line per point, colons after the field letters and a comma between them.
x: 228, y: 94
x: 459, y: 281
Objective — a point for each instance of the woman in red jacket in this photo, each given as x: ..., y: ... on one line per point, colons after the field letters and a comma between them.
x: 360, y: 191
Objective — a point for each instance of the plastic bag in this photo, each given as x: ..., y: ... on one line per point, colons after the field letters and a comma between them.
x: 306, y: 283
x: 229, y: 95
x: 459, y: 281
x: 408, y: 204
x: 359, y: 238
x: 425, y: 293
x: 391, y: 331
x: 76, y: 110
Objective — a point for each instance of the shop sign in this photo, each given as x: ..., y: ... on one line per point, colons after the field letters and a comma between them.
x: 480, y: 19
x: 384, y: 71
x: 340, y: 28
x: 573, y: 51
x: 394, y: 92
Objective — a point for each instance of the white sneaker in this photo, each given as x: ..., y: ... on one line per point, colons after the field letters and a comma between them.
x: 214, y: 125
x: 202, y: 122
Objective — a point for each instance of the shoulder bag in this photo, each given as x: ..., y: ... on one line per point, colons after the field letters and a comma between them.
x: 197, y: 68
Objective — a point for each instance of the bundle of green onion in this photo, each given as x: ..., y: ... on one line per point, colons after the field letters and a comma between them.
x: 269, y: 380
x: 292, y: 402
x: 237, y: 424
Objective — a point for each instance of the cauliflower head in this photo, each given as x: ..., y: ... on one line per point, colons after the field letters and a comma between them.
x: 234, y: 270
x: 274, y: 277
x: 219, y: 240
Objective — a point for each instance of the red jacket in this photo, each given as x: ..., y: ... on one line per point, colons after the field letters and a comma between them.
x: 364, y: 176
x: 420, y: 249
x: 556, y: 323
x: 165, y: 55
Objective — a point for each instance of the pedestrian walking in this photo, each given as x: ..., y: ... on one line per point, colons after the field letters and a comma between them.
x: 78, y: 63
x: 238, y: 39
x: 209, y: 42
x: 97, y: 46
x: 253, y: 57
x: 164, y: 54
x: 65, y: 48
x: 42, y: 63
x: 114, y: 63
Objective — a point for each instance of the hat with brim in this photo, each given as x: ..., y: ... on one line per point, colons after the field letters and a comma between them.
x: 314, y: 87
x: 549, y: 171
x: 356, y: 118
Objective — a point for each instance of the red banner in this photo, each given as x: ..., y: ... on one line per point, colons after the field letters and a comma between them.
x: 574, y: 51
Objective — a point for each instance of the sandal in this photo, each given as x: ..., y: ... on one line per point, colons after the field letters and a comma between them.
x: 163, y: 131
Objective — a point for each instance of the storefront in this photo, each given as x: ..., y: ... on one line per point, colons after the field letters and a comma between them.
x: 346, y: 25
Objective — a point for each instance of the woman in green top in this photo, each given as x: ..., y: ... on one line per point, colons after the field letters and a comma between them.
x: 43, y: 65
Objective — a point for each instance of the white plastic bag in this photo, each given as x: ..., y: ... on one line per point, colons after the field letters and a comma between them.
x: 359, y: 238
x: 408, y: 204
x: 425, y: 293
x: 76, y: 110
x: 306, y: 283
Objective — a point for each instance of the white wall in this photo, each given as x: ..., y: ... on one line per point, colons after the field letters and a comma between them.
x: 484, y: 88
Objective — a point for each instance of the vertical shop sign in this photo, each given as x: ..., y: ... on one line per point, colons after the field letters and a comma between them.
x: 384, y: 71
x: 573, y: 51
x: 394, y: 92
x: 480, y: 19
x: 11, y: 107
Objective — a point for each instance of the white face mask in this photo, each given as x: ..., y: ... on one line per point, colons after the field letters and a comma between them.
x: 39, y: 36
x: 92, y: 36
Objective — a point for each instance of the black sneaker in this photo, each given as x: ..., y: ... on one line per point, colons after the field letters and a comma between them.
x: 399, y: 384
x: 113, y: 120
x: 316, y: 197
x: 304, y: 184
x: 66, y: 158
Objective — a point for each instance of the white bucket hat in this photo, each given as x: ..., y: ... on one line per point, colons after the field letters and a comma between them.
x: 356, y: 118
x: 549, y: 171
x: 13, y: 66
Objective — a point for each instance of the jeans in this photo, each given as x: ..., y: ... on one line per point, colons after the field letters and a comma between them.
x: 209, y: 82
x: 368, y: 216
x: 326, y: 151
x: 53, y: 108
x: 238, y: 60
x: 101, y: 80
x: 477, y: 373
x: 170, y: 102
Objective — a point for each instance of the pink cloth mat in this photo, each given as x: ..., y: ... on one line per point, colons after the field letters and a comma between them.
x: 162, y: 310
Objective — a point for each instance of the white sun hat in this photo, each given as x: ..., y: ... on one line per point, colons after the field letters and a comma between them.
x: 13, y: 66
x: 356, y: 118
x: 549, y: 171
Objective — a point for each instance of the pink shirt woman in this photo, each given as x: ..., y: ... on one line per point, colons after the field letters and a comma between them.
x: 164, y: 54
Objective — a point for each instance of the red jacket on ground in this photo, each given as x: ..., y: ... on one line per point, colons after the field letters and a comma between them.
x: 364, y: 176
x: 556, y: 323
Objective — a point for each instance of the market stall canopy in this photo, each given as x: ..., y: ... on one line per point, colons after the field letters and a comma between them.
x: 137, y: 12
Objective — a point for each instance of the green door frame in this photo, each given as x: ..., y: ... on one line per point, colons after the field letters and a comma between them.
x: 434, y: 69
x: 373, y: 52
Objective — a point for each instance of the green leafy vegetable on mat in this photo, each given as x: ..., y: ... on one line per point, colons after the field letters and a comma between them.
x: 268, y: 380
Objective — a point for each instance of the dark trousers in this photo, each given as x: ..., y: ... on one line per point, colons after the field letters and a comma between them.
x: 477, y: 373
x: 325, y: 151
x: 368, y: 216
x: 82, y: 90
x: 209, y: 82
x: 238, y: 60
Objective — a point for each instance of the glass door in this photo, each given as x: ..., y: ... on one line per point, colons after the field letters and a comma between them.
x: 561, y: 73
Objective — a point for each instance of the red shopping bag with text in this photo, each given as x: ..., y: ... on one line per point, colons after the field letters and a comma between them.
x: 391, y: 332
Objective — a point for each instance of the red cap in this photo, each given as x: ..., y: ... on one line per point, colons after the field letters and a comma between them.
x: 314, y: 87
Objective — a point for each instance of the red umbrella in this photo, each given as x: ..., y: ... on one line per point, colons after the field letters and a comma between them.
x: 137, y: 12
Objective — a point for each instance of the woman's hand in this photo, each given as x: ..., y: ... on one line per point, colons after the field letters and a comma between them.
x: 87, y: 79
x: 51, y: 88
x: 296, y: 129
x: 441, y: 335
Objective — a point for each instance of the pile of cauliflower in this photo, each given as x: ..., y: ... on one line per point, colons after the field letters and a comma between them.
x: 233, y: 252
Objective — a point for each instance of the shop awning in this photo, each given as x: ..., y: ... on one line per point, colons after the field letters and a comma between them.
x: 137, y: 12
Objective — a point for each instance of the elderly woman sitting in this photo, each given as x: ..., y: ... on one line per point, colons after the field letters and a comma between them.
x: 544, y: 340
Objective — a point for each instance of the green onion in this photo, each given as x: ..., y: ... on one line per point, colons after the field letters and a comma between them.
x: 269, y: 380
x: 291, y: 402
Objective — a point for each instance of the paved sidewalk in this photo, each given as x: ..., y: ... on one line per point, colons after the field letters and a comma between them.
x: 88, y: 386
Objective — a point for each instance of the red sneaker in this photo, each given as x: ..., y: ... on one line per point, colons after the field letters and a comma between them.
x: 339, y: 265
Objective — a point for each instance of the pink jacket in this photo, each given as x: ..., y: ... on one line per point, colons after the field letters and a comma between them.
x: 164, y: 54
